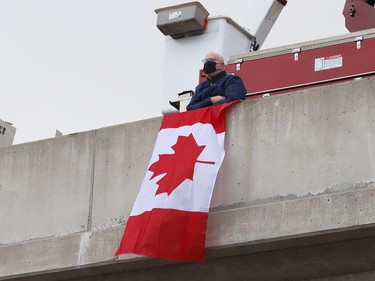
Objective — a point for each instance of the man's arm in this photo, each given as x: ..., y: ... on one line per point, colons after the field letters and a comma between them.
x: 234, y: 90
x: 199, y: 99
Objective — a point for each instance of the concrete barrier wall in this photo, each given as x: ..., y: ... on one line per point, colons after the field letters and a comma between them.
x: 45, y: 188
x: 306, y: 143
x: 305, y: 156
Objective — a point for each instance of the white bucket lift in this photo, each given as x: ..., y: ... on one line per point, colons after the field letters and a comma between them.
x: 7, y: 133
x: 260, y: 18
x: 192, y: 34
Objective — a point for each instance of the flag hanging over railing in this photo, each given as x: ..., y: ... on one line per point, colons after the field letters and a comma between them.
x: 169, y: 217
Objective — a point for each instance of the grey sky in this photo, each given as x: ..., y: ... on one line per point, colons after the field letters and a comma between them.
x: 77, y: 65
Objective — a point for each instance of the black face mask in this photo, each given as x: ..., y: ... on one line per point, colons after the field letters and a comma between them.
x: 209, y: 67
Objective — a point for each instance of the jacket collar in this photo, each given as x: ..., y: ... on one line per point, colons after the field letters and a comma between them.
x: 218, y: 76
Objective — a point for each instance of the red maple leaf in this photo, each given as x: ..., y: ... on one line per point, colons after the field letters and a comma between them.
x: 178, y: 166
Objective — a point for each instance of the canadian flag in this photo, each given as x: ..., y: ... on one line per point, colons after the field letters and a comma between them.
x: 169, y: 216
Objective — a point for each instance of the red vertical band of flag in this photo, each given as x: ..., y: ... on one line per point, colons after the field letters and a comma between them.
x: 169, y: 217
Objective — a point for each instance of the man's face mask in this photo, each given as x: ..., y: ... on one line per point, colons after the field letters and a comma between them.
x: 209, y: 67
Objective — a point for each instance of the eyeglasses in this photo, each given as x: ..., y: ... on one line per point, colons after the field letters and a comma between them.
x: 212, y: 60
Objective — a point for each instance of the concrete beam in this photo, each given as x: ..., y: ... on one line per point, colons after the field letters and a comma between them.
x: 289, y: 229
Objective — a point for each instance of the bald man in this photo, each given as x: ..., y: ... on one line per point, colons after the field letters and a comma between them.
x: 219, y: 86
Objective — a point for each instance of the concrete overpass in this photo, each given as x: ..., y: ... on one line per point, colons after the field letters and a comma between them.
x: 294, y: 199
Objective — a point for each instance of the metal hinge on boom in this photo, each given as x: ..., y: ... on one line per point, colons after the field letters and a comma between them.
x: 295, y: 53
x: 238, y: 63
x: 359, y: 41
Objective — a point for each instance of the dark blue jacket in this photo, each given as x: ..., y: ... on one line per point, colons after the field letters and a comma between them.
x: 229, y: 86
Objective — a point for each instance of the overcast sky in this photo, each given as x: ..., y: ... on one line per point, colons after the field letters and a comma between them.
x: 78, y: 65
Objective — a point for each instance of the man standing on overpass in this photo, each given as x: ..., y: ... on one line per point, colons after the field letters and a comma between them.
x: 219, y: 86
